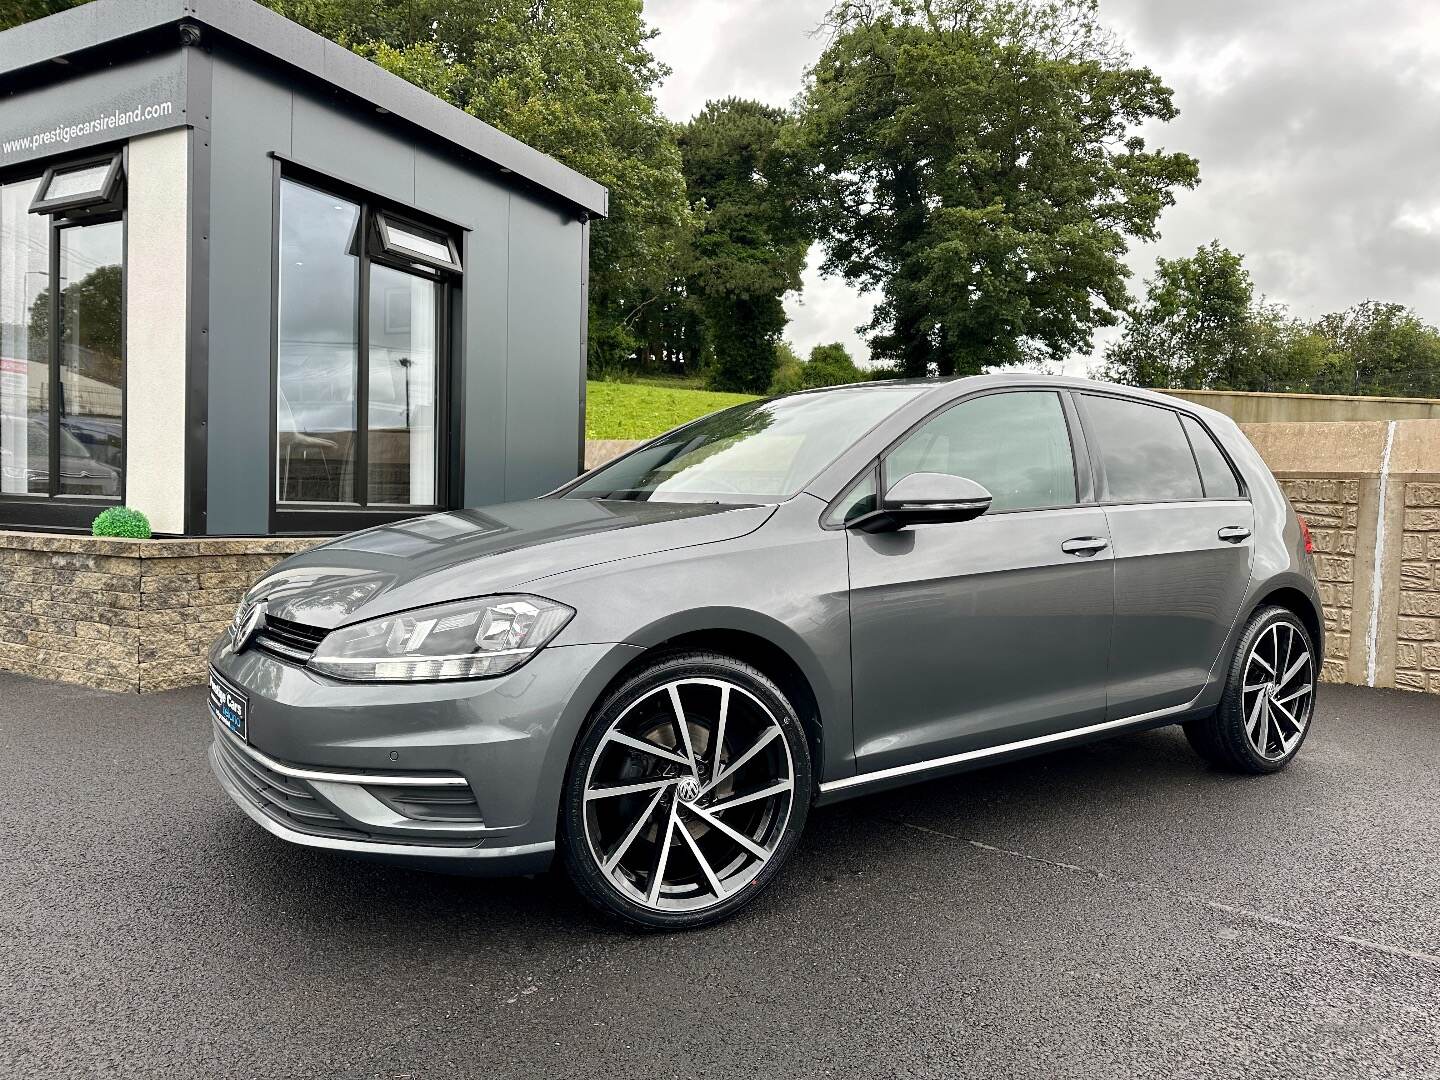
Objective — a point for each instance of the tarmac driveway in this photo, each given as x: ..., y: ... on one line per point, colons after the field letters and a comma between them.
x: 1113, y: 910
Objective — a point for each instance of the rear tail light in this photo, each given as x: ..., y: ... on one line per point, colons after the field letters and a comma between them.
x: 1305, y: 532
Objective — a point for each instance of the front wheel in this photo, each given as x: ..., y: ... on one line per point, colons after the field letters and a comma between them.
x: 1264, y: 714
x: 687, y: 792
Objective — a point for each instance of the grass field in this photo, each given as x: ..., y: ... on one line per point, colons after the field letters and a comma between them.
x: 642, y: 410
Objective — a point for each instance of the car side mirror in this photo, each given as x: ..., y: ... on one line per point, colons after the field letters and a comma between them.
x: 923, y: 498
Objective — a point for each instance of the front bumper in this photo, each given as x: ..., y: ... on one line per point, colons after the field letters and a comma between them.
x: 427, y: 853
x: 464, y: 777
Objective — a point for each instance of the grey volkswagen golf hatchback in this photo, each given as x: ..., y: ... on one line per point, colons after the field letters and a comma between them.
x: 653, y: 673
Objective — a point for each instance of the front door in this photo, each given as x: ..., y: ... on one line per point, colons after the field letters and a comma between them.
x: 973, y: 634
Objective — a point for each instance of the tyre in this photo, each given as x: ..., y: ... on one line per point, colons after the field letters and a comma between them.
x: 687, y: 791
x: 1269, y: 698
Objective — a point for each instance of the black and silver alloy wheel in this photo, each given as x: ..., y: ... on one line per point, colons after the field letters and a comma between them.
x: 1269, y: 697
x: 687, y: 792
x: 1279, y: 682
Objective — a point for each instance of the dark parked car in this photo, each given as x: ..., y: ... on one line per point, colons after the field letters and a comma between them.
x: 657, y: 670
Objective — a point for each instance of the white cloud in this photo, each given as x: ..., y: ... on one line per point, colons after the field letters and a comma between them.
x: 825, y: 310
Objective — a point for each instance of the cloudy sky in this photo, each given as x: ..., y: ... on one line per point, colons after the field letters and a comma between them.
x: 1316, y: 123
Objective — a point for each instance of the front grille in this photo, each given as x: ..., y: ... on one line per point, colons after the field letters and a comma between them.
x: 289, y: 640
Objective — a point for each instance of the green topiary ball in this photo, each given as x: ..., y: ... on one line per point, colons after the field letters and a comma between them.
x: 122, y: 521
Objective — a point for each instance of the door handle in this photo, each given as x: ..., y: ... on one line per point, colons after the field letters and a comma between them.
x: 1233, y: 534
x: 1085, y: 546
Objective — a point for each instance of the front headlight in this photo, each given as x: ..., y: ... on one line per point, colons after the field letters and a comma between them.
x: 468, y: 639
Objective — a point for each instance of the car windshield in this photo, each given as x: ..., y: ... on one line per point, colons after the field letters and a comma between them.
x: 763, y: 452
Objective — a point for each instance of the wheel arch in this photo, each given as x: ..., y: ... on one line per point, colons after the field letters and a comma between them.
x: 1299, y: 602
x: 767, y: 645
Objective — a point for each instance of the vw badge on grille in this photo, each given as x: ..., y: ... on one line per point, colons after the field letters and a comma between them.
x: 254, y: 619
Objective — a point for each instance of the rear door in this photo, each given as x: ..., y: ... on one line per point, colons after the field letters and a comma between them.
x: 970, y: 634
x: 1181, y: 533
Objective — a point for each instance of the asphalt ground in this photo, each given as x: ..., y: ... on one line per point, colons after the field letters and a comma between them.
x: 1113, y: 910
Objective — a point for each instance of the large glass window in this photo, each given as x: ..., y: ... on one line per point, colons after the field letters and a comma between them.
x: 62, y: 356
x: 88, y: 408
x: 1017, y: 445
x: 1144, y: 451
x: 358, y: 402
x: 319, y: 347
x: 24, y: 343
x: 403, y: 363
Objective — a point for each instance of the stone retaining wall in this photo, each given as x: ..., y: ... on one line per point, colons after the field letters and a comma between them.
x: 1263, y: 408
x: 131, y: 615
x: 1417, y: 652
x: 1332, y: 510
x: 1371, y: 492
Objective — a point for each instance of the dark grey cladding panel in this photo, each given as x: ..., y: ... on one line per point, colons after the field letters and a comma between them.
x: 407, y: 101
x: 108, y: 22
x: 546, y: 348
x: 353, y: 147
x: 82, y: 28
x: 481, y: 349
x: 132, y: 98
x: 251, y: 117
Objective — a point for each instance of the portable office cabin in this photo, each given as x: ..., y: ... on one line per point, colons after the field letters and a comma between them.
x: 290, y: 292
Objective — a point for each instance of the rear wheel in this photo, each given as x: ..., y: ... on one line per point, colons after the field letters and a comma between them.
x: 1269, y: 698
x: 687, y: 792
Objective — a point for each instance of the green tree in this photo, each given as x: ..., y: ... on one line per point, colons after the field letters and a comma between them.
x: 831, y: 365
x: 1378, y: 348
x: 15, y: 12
x: 789, y: 370
x: 1201, y: 327
x: 1196, y: 328
x: 751, y: 246
x: 976, y: 162
x: 397, y: 23
x: 828, y: 365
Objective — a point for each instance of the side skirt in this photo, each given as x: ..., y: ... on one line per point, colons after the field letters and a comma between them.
x: 866, y: 783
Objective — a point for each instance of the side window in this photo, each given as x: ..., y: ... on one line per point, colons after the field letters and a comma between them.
x: 1215, y: 472
x: 860, y: 499
x: 1144, y: 451
x: 1016, y: 444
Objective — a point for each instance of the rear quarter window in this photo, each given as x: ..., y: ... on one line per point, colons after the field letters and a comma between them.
x: 1215, y: 472
x: 1143, y: 451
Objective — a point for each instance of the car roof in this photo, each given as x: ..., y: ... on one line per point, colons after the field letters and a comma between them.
x: 946, y: 387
